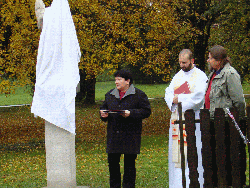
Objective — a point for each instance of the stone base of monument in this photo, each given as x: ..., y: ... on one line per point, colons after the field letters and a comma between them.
x: 60, y: 157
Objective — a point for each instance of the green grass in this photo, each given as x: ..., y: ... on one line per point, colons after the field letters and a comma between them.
x: 22, y: 96
x: 16, y: 123
x: 152, y: 90
x: 246, y: 87
x: 26, y: 161
x: 151, y: 167
x: 28, y: 169
x: 101, y: 88
x: 19, y: 168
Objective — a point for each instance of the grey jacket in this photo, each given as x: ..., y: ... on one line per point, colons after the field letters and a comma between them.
x: 226, y: 91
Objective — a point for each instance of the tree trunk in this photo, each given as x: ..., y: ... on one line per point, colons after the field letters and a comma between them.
x: 200, y: 52
x: 202, y: 44
x: 87, y: 89
x: 90, y: 88
x: 81, y: 95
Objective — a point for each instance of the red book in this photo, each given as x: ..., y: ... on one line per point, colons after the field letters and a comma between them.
x: 183, y: 89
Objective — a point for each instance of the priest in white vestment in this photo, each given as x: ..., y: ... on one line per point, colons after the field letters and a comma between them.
x: 188, y: 87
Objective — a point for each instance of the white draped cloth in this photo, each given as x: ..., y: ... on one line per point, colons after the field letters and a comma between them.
x: 195, y: 100
x: 57, y: 73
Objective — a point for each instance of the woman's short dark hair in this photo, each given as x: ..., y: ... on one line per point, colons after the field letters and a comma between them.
x: 126, y: 74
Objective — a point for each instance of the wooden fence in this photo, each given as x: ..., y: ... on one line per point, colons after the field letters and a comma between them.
x: 222, y: 146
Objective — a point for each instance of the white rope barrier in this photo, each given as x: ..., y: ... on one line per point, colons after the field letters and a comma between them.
x: 246, y: 141
x: 8, y: 106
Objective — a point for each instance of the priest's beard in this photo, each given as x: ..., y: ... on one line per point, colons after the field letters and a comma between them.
x: 186, y: 69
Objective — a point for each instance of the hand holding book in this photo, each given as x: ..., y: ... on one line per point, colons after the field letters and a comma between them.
x: 183, y: 89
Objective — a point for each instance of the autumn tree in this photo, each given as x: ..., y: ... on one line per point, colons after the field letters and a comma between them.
x: 232, y: 30
x: 18, y: 44
x: 112, y: 34
x: 199, y: 16
x: 115, y: 34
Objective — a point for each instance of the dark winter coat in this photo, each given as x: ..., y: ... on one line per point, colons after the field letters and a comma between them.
x: 124, y: 134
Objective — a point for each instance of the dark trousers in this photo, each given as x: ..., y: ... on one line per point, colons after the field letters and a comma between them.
x: 129, y: 170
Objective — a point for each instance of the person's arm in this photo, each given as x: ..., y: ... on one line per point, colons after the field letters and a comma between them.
x: 103, y: 107
x: 235, y: 92
x: 143, y: 110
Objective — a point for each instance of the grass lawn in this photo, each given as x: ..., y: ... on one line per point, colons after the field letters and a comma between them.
x: 246, y: 88
x: 25, y: 159
x: 28, y: 169
x: 152, y: 90
x: 22, y: 96
x: 151, y: 164
x: 22, y: 152
x: 18, y: 121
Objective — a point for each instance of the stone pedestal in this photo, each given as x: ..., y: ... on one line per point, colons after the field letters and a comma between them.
x: 60, y: 157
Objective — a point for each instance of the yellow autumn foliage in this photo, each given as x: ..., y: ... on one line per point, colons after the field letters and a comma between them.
x: 19, y: 38
x: 133, y: 33
x: 111, y: 34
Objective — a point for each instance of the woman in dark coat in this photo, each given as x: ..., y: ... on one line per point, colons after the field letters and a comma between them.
x: 124, y: 108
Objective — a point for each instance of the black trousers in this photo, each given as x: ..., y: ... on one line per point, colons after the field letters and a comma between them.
x: 129, y: 170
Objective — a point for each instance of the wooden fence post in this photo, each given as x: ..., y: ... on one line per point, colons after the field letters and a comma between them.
x: 191, y: 148
x: 220, y: 150
x: 182, y: 146
x: 206, y: 147
x: 229, y: 151
x: 235, y: 150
